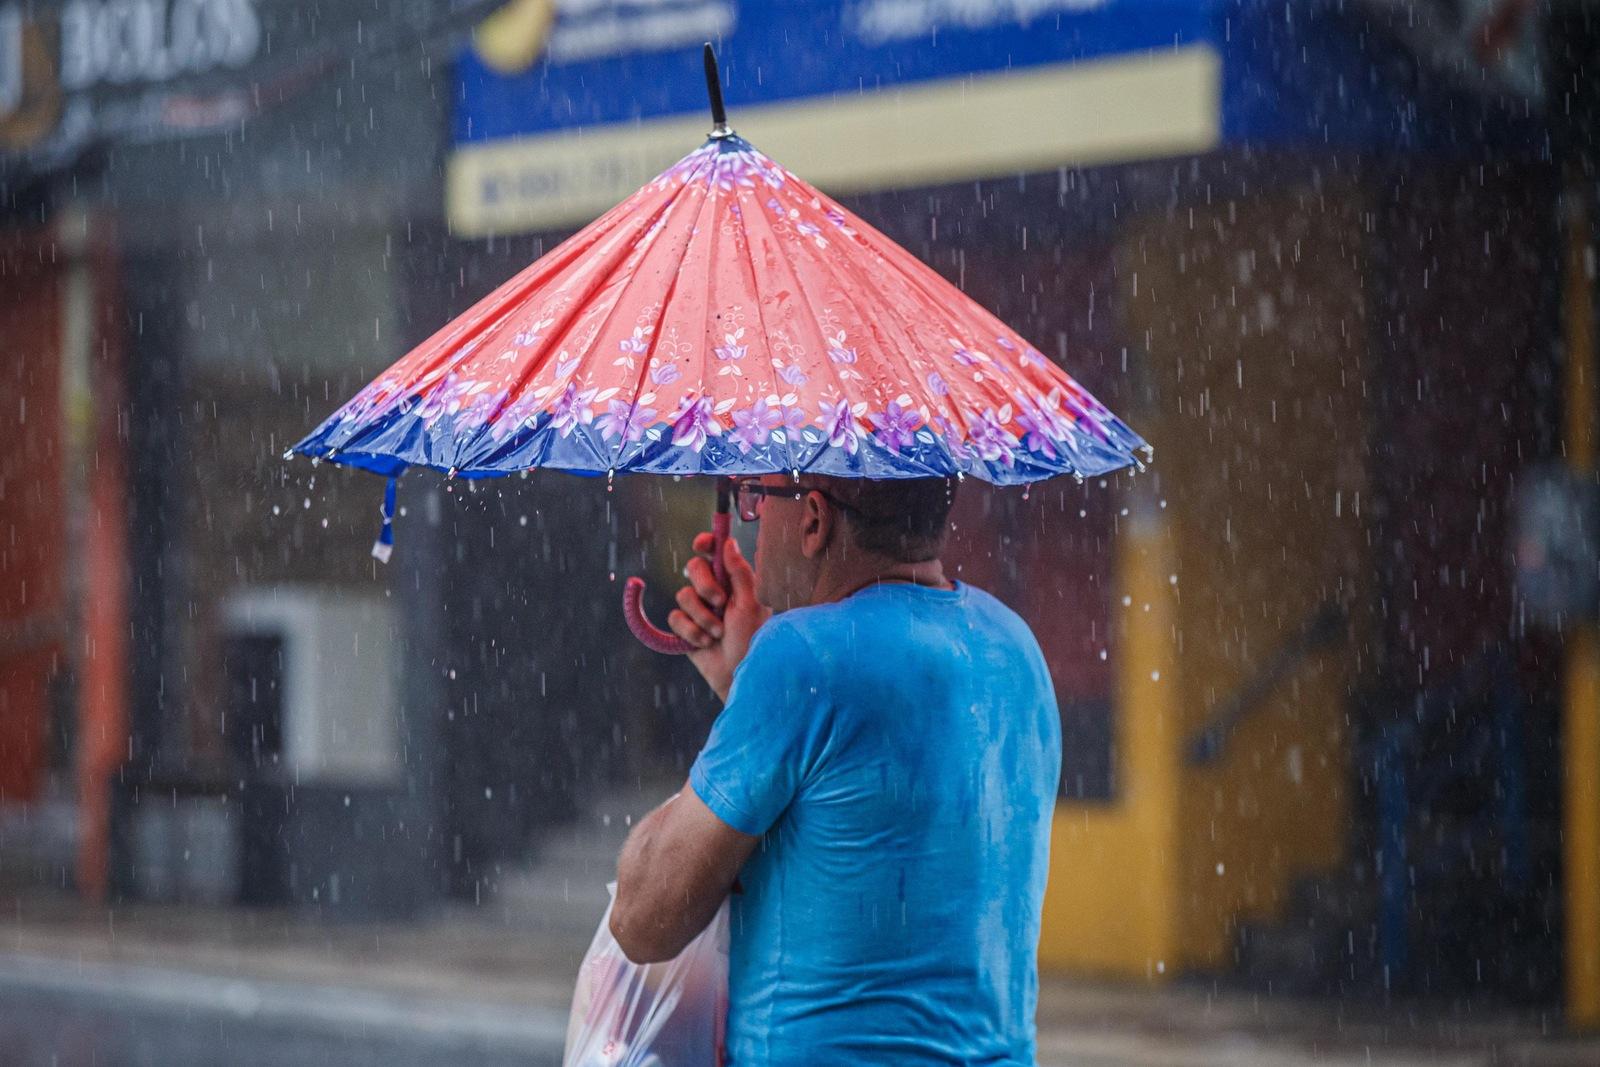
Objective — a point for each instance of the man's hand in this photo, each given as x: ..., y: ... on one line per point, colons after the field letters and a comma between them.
x: 719, y: 624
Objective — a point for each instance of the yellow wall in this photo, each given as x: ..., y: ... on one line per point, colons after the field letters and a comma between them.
x: 1253, y: 322
x: 1114, y: 868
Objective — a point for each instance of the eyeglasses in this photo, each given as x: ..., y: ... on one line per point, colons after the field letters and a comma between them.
x: 749, y: 494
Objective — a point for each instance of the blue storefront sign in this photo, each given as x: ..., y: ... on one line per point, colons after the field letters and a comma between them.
x: 602, y: 65
x: 563, y: 108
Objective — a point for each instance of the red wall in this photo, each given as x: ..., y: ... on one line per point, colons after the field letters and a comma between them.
x: 32, y: 512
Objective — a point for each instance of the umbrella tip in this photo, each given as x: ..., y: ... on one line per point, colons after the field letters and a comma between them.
x: 719, y: 115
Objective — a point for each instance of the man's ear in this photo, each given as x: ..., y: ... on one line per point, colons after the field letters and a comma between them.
x: 817, y: 528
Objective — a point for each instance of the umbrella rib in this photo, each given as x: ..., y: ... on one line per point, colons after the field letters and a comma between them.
x: 917, y: 276
x: 884, y: 312
x: 530, y: 278
x: 755, y: 289
x: 531, y: 370
x: 934, y: 301
x: 816, y: 322
x: 849, y: 266
x: 705, y: 320
x: 661, y: 316
x: 627, y: 285
x: 870, y: 322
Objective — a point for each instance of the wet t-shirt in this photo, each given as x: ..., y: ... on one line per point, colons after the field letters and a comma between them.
x: 899, y: 753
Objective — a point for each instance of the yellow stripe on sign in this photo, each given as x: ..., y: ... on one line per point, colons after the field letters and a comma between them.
x: 1102, y: 111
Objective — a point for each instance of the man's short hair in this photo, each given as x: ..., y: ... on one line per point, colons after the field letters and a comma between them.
x: 905, y: 519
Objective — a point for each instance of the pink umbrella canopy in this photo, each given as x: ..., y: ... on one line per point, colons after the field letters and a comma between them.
x: 728, y: 319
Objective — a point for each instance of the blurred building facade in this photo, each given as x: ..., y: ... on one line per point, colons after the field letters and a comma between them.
x: 1313, y: 738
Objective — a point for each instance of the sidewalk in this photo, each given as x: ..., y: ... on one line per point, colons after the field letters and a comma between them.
x: 499, y: 982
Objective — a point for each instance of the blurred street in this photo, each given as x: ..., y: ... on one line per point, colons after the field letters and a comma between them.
x: 146, y: 985
x: 164, y: 988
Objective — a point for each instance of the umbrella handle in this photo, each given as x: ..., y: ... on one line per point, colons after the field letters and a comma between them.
x: 653, y: 637
x: 649, y: 635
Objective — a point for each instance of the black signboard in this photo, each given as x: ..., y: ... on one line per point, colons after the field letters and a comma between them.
x: 80, y: 73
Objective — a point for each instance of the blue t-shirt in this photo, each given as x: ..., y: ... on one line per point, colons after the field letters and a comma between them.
x: 899, y: 751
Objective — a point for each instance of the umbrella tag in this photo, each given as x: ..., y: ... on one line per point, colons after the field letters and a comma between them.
x: 383, y: 547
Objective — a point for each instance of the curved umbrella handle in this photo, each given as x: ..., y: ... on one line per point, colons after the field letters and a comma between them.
x: 653, y: 637
x: 649, y: 635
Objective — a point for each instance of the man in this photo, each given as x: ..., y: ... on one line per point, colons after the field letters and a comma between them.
x: 880, y: 783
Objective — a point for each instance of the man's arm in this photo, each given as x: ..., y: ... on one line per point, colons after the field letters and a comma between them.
x: 674, y: 872
x: 680, y: 861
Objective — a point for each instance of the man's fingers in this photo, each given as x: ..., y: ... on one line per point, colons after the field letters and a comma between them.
x: 704, y: 543
x: 704, y: 580
x: 699, y: 611
x: 741, y: 576
x: 684, y: 627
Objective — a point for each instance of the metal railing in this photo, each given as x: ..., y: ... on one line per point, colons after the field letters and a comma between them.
x: 1323, y: 628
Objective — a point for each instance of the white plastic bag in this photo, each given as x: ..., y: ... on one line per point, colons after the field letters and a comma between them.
x: 671, y: 1014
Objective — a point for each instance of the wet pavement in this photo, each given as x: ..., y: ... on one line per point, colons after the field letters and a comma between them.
x: 489, y: 985
x: 60, y: 1015
x: 61, y: 1011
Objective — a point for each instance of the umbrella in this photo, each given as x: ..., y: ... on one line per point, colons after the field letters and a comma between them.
x: 727, y: 319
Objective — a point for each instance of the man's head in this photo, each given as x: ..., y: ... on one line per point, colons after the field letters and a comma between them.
x: 844, y: 525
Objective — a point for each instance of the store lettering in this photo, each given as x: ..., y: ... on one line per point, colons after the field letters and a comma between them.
x: 125, y: 41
